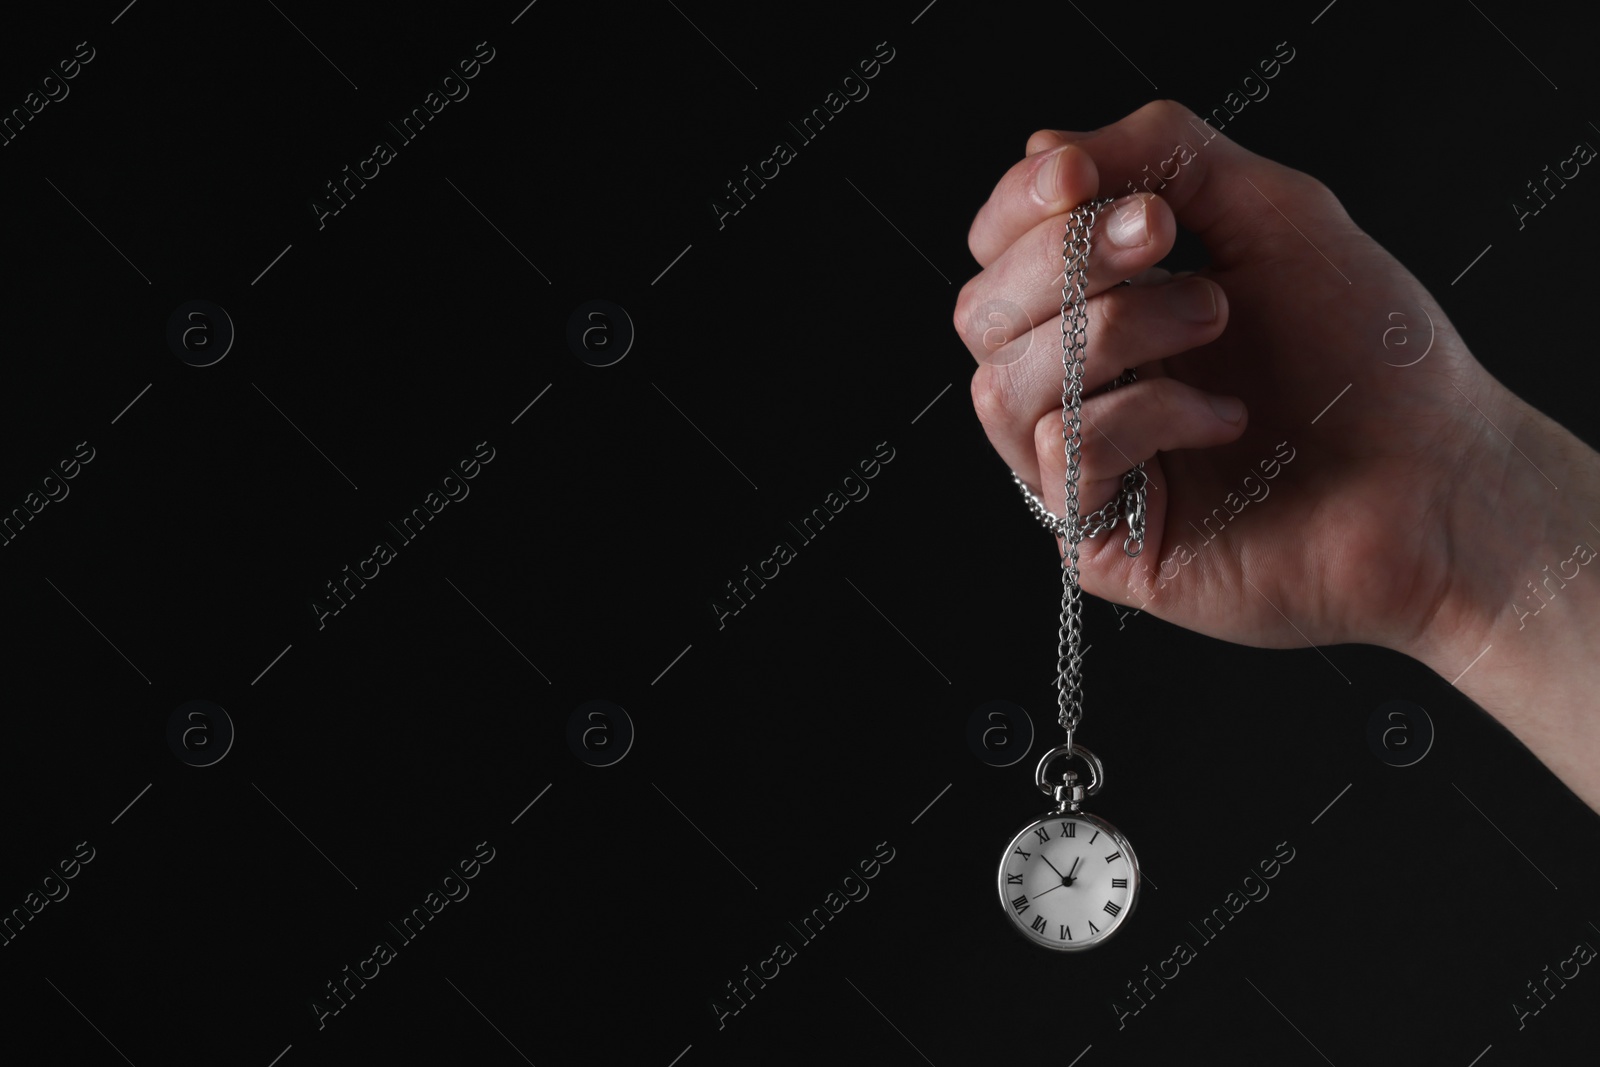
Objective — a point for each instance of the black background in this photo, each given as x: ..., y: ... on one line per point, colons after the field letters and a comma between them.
x: 775, y: 753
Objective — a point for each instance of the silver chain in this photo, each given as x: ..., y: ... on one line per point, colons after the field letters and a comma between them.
x: 1130, y: 501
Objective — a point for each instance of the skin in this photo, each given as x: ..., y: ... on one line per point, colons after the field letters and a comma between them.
x: 1407, y: 517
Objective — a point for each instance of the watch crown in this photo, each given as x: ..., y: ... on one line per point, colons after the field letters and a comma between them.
x: 1071, y: 793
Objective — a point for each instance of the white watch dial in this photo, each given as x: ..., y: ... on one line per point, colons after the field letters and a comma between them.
x: 1068, y: 881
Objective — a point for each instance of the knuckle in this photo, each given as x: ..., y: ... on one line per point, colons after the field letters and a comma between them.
x: 1048, y: 241
x: 1307, y: 185
x: 1045, y: 428
x: 1309, y: 192
x: 1175, y: 410
x: 1040, y: 140
x: 1108, y: 315
x: 994, y: 328
x: 1168, y: 110
x: 961, y: 317
x: 975, y: 244
x: 988, y: 399
x: 1164, y: 400
x: 968, y: 305
x: 1048, y: 443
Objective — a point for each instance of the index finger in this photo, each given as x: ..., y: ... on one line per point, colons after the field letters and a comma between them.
x: 1044, y: 184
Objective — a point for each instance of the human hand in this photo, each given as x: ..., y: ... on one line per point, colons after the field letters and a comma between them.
x: 1286, y: 521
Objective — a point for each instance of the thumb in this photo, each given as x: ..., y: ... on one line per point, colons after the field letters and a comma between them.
x: 1231, y: 198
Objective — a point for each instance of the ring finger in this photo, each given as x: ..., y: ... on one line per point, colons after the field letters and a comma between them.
x: 1128, y: 326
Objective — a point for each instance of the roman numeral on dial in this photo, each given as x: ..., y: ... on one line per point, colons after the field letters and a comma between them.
x: 1113, y: 857
x: 1093, y: 929
x: 1112, y: 909
x: 1066, y: 933
x: 1016, y: 879
x: 1042, y: 834
x: 1025, y: 855
x: 1069, y: 829
x: 1096, y: 834
x: 1038, y: 923
x: 1021, y: 904
x: 1116, y: 883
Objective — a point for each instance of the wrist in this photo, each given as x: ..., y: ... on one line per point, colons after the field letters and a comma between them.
x: 1492, y: 517
x: 1518, y: 505
x: 1514, y: 633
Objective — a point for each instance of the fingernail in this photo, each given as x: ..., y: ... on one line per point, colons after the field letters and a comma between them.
x: 1193, y: 301
x: 1048, y: 179
x: 1229, y: 409
x: 1129, y: 227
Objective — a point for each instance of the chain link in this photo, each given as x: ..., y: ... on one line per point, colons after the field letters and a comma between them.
x: 1129, y: 503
